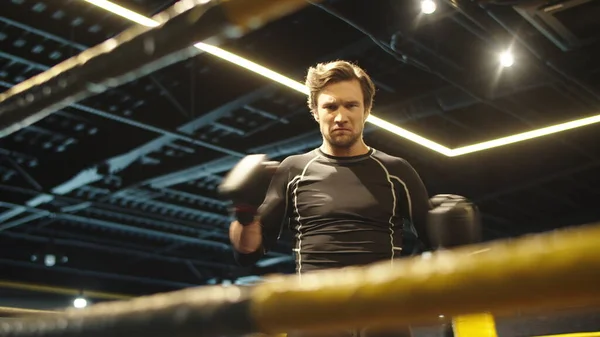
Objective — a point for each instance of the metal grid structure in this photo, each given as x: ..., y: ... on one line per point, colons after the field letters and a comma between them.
x: 120, y: 188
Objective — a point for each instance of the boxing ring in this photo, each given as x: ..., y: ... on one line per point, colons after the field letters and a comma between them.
x: 533, y: 273
x: 472, y: 284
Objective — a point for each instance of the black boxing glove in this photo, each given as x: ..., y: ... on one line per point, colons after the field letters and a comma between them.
x: 246, y: 185
x: 453, y: 221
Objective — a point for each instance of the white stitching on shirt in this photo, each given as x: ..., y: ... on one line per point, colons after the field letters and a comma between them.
x: 295, y: 197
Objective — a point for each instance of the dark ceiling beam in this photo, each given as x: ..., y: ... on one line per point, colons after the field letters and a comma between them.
x: 174, y: 135
x: 455, y: 98
x: 157, y: 251
x: 98, y: 274
x: 23, y: 173
x: 199, y: 198
x: 11, y: 213
x: 170, y: 97
x: 160, y: 235
x: 21, y: 157
x: 43, y: 34
x: 196, y: 228
x: 41, y: 229
x: 125, y: 228
x: 23, y: 61
x: 117, y: 250
x: 21, y: 221
x: 118, y: 163
x: 224, y: 164
x: 17, y: 210
x: 220, y: 218
x: 130, y: 197
x: 581, y: 218
x: 537, y: 182
x: 449, y: 98
x: 439, y: 67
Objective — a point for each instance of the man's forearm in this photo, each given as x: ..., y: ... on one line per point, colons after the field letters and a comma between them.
x: 245, y: 239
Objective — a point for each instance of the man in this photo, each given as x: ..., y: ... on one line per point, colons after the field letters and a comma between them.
x: 346, y: 202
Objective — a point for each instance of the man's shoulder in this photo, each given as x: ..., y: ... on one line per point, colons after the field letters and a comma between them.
x: 389, y: 160
x: 299, y: 161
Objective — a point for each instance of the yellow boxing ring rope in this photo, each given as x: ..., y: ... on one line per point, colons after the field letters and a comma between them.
x: 498, y: 277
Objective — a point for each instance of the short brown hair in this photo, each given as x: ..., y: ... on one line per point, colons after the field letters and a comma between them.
x: 323, y: 74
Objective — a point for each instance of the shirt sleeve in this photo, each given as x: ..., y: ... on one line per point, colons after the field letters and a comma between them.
x: 418, y: 200
x: 272, y: 214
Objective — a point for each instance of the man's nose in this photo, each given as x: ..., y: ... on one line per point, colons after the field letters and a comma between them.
x: 341, y: 116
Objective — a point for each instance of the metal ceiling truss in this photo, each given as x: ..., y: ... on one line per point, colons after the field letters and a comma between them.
x: 138, y: 254
x: 103, y: 275
x: 154, y: 209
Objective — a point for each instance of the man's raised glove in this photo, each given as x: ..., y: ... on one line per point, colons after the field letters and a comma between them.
x: 246, y: 185
x: 453, y: 221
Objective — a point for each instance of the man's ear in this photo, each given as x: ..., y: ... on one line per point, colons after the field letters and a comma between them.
x: 367, y: 113
x: 315, y: 115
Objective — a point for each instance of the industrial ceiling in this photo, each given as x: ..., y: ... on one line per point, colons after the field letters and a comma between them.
x: 115, y: 196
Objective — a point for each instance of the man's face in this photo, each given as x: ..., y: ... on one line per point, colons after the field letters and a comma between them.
x: 341, y: 113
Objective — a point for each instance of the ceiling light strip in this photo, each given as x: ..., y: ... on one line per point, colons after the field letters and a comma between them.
x: 124, y: 12
x: 520, y: 137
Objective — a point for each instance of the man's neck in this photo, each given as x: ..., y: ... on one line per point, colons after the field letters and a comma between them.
x: 357, y: 149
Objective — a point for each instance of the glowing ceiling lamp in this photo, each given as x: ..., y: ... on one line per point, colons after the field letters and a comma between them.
x: 395, y: 129
x: 80, y: 303
x: 428, y: 6
x: 506, y: 59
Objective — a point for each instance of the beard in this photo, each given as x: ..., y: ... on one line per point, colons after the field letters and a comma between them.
x: 342, y: 141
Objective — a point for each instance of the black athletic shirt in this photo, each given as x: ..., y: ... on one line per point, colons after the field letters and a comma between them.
x: 342, y: 210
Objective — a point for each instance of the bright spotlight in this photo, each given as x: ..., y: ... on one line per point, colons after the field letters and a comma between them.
x: 80, y: 302
x: 507, y: 59
x: 428, y: 6
x: 49, y: 260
